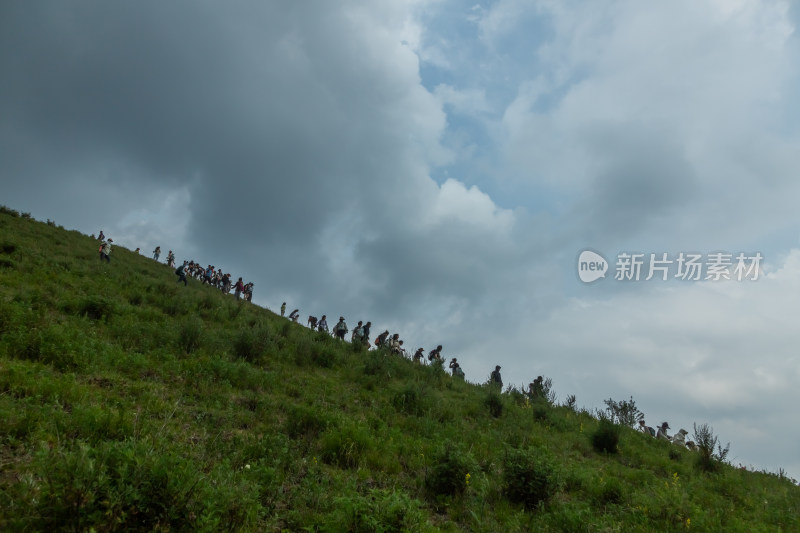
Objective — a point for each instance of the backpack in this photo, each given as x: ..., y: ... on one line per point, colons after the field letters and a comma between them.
x: 458, y: 372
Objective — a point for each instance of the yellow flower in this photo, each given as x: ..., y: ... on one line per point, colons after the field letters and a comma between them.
x: 688, y: 523
x: 466, y: 478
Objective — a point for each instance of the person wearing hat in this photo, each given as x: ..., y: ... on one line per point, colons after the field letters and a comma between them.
x: 680, y: 437
x: 495, y: 378
x: 340, y: 329
x: 105, y: 250
x: 662, y: 432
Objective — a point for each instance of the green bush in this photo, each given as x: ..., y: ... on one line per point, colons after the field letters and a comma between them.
x: 306, y: 422
x: 528, y: 478
x: 605, y: 439
x: 251, y: 344
x: 709, y: 460
x: 409, y: 400
x: 377, y: 511
x: 189, y: 335
x: 448, y: 475
x: 494, y: 402
x: 344, y: 446
x: 609, y: 491
x: 115, y: 486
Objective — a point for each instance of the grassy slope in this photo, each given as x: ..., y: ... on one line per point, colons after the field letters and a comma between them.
x: 128, y: 402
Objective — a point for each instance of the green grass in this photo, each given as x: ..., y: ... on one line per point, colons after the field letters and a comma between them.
x: 131, y: 403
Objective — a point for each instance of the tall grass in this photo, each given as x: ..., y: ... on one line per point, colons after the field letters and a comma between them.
x: 131, y: 403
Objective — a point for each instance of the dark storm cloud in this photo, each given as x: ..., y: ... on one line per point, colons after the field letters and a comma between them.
x: 643, y: 181
x: 276, y: 119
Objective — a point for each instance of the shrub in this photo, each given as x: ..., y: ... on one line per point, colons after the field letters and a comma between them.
x: 94, y: 307
x: 375, y: 363
x: 609, y: 492
x: 8, y: 211
x: 408, y: 400
x: 251, y: 344
x: 707, y: 459
x: 305, y: 422
x: 541, y: 413
x: 189, y: 335
x: 494, y: 402
x: 344, y: 446
x: 378, y: 510
x: 623, y: 412
x: 605, y: 438
x: 528, y: 479
x: 448, y: 475
x: 571, y: 402
x: 120, y: 486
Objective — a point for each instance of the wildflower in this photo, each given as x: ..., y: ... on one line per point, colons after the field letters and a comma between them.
x: 247, y: 467
x: 466, y: 479
x: 688, y: 523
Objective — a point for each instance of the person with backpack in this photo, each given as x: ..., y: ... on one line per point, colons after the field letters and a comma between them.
x: 418, y: 355
x: 456, y: 368
x: 395, y: 344
x: 322, y: 324
x: 435, y: 354
x: 181, y: 272
x: 283, y: 308
x: 171, y: 259
x: 340, y: 329
x: 380, y: 340
x: 157, y: 253
x: 105, y: 250
x: 294, y: 315
x: 239, y: 289
x: 647, y: 430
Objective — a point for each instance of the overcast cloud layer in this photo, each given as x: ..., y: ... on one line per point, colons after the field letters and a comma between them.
x: 437, y: 166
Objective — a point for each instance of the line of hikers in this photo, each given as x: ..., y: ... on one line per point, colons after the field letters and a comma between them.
x: 361, y: 334
x: 678, y: 438
x: 210, y: 274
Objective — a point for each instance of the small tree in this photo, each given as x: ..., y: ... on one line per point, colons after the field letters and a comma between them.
x: 571, y: 402
x: 624, y: 412
x: 706, y: 441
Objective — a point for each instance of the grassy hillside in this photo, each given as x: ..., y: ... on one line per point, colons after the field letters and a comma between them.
x: 130, y: 402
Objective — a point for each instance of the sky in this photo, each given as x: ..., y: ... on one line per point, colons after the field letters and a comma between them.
x: 438, y: 167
